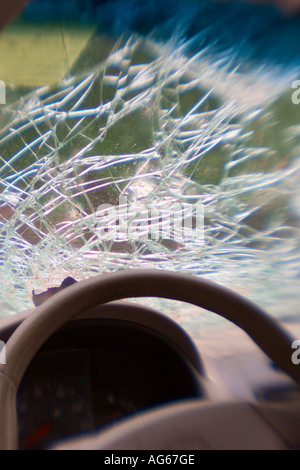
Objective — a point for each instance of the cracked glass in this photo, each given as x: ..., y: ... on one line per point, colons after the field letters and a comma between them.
x: 142, y: 111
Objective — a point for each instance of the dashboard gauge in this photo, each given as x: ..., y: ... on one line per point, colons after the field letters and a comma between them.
x: 91, y: 374
x: 57, y: 402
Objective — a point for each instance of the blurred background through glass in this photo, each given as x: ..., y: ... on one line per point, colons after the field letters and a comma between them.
x: 159, y: 103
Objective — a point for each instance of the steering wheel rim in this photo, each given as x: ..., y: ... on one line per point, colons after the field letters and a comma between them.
x: 27, y: 339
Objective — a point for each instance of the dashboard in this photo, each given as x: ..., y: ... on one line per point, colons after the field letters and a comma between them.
x: 94, y: 372
x: 124, y: 376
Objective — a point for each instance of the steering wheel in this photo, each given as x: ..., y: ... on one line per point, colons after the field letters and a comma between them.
x: 27, y: 339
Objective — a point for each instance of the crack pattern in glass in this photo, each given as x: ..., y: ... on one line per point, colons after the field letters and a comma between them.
x: 158, y: 125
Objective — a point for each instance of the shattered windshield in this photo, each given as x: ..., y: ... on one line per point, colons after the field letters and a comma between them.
x: 159, y: 136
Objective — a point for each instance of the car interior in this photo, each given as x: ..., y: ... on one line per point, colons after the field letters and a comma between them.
x: 82, y: 375
x: 164, y: 344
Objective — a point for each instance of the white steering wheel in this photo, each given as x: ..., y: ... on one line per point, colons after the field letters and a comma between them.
x: 79, y: 297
